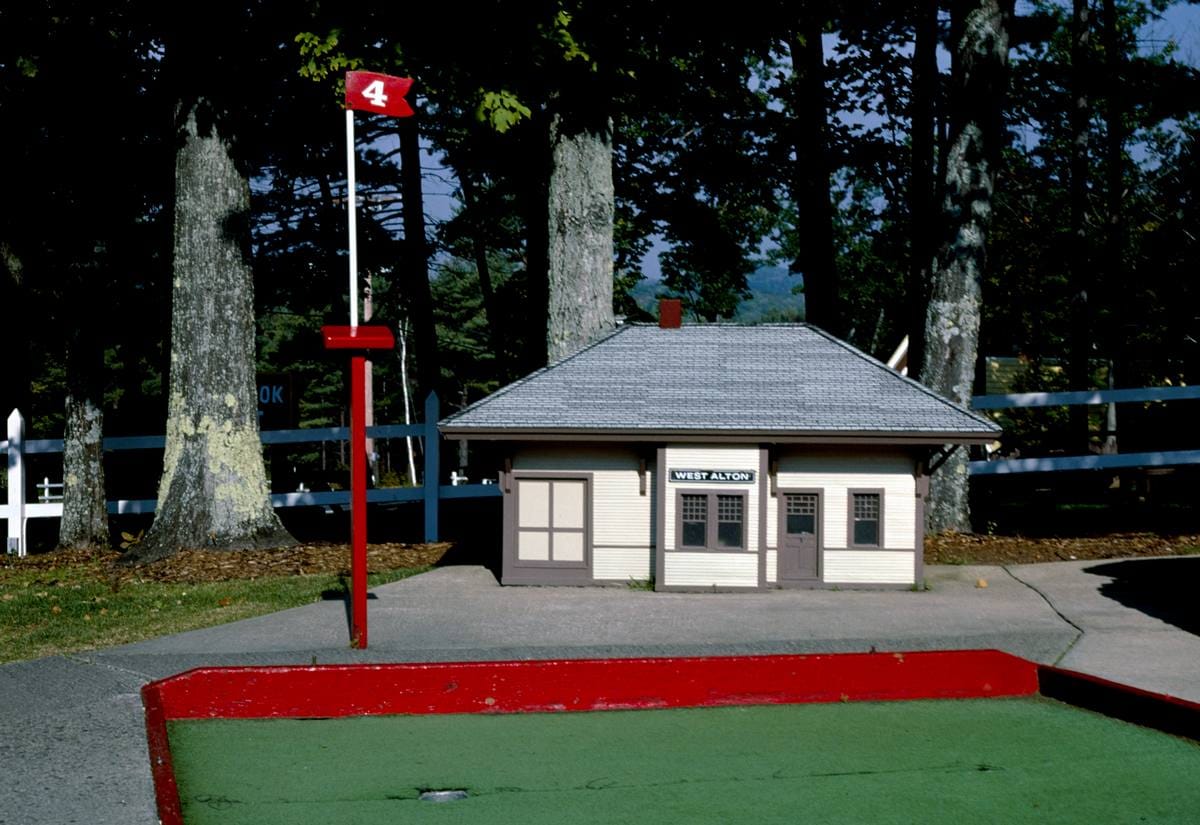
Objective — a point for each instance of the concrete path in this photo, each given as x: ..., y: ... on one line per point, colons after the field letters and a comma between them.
x: 73, y: 747
x: 1139, y: 619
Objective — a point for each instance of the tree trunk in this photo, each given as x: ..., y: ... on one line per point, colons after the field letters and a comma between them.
x: 416, y: 261
x: 922, y: 185
x: 952, y: 320
x: 815, y: 260
x: 84, y: 522
x: 1114, y: 150
x: 1080, y: 266
x: 213, y: 492
x: 581, y: 205
x: 535, y: 209
x: 18, y: 371
x: 495, y: 324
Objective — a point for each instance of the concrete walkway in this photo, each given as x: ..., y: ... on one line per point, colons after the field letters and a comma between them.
x: 73, y: 747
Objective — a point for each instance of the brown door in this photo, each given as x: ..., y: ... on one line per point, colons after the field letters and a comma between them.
x: 799, y: 544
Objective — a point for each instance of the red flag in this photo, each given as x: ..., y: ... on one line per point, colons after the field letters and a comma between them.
x: 373, y: 92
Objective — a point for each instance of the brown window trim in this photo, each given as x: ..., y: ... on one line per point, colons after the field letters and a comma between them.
x: 850, y: 494
x: 710, y: 542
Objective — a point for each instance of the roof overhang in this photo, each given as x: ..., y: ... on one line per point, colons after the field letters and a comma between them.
x: 719, y: 436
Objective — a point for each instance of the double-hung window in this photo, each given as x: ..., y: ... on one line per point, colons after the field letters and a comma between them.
x: 711, y: 521
x: 866, y: 518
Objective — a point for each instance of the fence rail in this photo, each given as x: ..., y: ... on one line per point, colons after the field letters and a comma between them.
x: 1075, y: 463
x: 18, y: 511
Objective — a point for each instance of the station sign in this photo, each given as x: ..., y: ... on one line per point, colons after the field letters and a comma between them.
x: 714, y: 476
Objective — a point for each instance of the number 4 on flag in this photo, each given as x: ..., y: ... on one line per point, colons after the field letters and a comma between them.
x: 382, y: 93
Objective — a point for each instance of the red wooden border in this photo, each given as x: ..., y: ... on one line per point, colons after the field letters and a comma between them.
x: 589, y: 684
x: 1169, y: 714
x: 563, y: 685
x: 162, y: 770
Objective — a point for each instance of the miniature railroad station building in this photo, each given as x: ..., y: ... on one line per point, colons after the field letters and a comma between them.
x: 716, y: 457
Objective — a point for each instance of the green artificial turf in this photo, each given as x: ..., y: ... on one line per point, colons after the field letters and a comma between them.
x: 929, y: 762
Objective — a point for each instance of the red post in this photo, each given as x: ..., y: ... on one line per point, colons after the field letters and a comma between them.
x: 358, y: 501
x: 358, y: 340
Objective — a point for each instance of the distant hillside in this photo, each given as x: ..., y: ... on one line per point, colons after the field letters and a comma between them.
x: 772, y: 297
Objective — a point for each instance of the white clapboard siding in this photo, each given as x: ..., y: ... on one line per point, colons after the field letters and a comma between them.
x: 621, y: 515
x: 834, y: 475
x: 772, y: 568
x: 712, y: 457
x: 869, y: 567
x: 622, y: 563
x: 709, y: 569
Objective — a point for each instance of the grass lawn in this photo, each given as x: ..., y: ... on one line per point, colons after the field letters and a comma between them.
x: 82, y: 604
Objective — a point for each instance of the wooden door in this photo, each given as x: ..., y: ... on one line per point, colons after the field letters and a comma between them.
x: 799, y: 536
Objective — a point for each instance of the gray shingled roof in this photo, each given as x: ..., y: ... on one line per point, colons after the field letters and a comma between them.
x: 769, y: 379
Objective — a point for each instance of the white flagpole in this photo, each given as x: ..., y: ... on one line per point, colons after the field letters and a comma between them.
x: 353, y: 224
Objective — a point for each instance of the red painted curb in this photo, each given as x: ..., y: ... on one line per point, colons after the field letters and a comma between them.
x: 1168, y: 714
x: 563, y: 685
x: 162, y: 770
x: 589, y: 684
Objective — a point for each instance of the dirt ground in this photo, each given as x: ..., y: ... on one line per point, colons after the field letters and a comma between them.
x: 949, y: 548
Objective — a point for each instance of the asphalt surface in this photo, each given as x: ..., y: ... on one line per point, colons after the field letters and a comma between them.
x: 72, y: 743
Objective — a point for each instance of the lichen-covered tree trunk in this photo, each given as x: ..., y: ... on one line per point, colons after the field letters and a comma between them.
x: 581, y: 205
x: 84, y: 520
x: 952, y: 320
x: 213, y: 493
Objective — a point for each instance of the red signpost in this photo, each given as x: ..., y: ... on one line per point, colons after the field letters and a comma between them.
x: 358, y: 340
x: 371, y: 92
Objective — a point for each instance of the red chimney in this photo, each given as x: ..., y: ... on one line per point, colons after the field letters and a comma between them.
x: 670, y: 313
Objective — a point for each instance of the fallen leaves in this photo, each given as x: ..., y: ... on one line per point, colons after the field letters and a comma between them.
x: 226, y: 565
x: 972, y: 548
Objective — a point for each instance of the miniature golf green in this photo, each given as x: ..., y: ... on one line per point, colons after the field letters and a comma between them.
x: 1005, y: 760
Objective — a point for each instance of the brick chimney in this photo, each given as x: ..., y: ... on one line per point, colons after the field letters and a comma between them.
x: 670, y: 313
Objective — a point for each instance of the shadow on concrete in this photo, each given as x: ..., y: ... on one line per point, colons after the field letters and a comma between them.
x: 1162, y: 588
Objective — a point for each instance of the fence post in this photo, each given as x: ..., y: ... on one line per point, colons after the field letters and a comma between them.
x: 432, y: 480
x: 16, y: 484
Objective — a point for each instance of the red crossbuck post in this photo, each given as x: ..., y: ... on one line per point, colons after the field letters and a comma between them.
x: 382, y: 93
x: 358, y: 340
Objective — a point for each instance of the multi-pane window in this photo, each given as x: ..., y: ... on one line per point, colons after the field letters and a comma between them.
x: 802, y: 513
x: 729, y: 521
x: 694, y: 515
x: 712, y: 521
x: 865, y: 509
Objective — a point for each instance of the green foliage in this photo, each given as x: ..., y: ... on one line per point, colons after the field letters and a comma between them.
x: 323, y: 56
x: 559, y: 33
x: 501, y: 109
x: 704, y: 168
